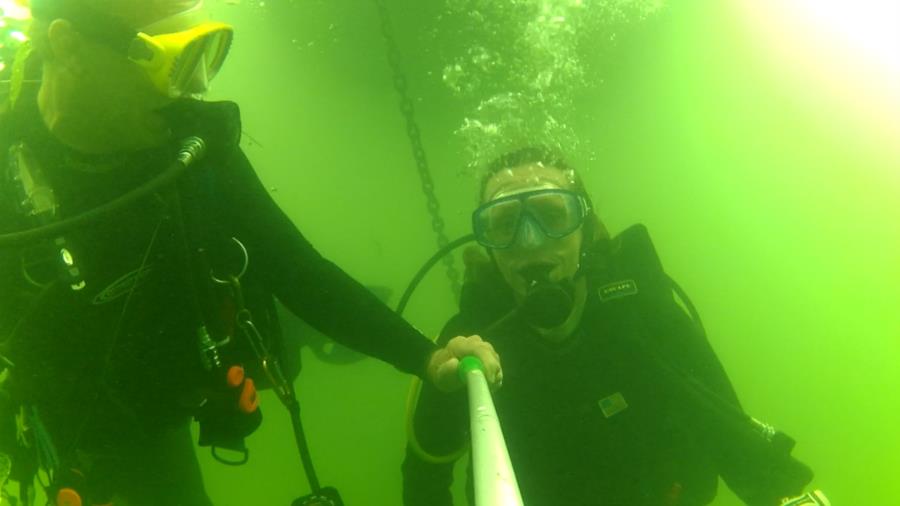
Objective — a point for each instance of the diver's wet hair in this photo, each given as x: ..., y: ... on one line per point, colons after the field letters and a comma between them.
x: 529, y: 156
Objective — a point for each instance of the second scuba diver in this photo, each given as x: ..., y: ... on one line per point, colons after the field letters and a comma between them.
x: 612, y: 394
x: 119, y: 327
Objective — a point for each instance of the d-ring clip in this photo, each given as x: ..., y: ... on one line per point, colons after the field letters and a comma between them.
x: 243, y: 268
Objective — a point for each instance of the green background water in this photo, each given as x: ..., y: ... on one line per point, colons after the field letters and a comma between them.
x: 765, y: 163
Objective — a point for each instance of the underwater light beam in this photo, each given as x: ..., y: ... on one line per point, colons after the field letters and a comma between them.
x: 867, y: 27
x: 836, y: 54
x: 863, y: 32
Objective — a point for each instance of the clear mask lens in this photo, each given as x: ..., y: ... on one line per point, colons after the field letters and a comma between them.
x: 199, y: 63
x: 528, y: 217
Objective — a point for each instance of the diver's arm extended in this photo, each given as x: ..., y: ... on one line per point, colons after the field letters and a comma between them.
x: 309, y: 285
x: 753, y: 459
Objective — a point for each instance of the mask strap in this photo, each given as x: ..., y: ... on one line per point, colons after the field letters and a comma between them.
x: 179, y: 21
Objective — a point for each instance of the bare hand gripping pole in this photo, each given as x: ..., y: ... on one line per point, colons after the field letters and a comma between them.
x: 495, y: 481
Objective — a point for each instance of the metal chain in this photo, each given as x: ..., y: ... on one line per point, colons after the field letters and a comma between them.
x: 415, y: 140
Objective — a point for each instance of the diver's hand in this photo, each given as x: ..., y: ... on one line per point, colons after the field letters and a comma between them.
x: 443, y: 363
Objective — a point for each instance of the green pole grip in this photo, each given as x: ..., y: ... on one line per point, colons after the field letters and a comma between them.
x: 467, y: 364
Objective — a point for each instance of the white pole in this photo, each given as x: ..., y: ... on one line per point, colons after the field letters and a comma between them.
x: 495, y: 481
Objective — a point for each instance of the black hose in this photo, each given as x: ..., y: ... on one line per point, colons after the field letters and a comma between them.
x: 300, y: 438
x: 438, y: 255
x: 192, y: 149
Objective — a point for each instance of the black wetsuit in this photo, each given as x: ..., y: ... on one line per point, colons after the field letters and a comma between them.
x: 604, y: 418
x: 110, y: 368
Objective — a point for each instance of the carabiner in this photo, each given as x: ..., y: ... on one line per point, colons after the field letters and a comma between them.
x: 243, y: 269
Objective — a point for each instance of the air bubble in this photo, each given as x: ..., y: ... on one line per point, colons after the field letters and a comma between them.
x: 521, y: 70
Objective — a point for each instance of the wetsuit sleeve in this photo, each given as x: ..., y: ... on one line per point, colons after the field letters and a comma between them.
x: 758, y: 469
x: 310, y: 286
x: 440, y: 426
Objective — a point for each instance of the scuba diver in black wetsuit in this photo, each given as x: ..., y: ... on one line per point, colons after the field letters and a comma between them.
x: 136, y: 296
x: 612, y: 394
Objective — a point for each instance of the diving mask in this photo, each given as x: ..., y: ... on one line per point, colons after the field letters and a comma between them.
x: 527, y: 216
x: 180, y: 54
x: 183, y: 63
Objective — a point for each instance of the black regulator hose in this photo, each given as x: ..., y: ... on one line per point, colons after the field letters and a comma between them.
x: 438, y: 255
x: 192, y: 149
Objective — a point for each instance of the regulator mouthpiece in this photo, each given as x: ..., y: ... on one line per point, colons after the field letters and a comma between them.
x: 547, y: 304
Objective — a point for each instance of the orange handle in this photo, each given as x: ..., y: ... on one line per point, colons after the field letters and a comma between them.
x: 235, y: 376
x: 249, y: 400
x: 68, y: 497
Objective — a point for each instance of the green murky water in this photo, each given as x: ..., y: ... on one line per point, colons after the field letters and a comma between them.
x: 767, y: 173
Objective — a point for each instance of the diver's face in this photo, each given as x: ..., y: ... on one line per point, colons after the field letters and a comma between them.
x: 559, y: 255
x: 92, y: 97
